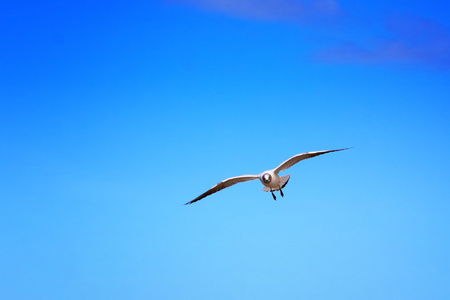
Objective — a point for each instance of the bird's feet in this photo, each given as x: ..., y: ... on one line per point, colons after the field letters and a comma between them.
x: 281, y: 192
x: 273, y: 195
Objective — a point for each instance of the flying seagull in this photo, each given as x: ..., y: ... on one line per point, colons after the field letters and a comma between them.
x: 270, y: 178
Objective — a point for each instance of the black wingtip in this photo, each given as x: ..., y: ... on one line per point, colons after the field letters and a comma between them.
x: 344, y: 149
x: 190, y: 202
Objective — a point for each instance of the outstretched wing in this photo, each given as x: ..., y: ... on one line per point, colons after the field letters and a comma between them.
x: 224, y: 184
x: 296, y: 158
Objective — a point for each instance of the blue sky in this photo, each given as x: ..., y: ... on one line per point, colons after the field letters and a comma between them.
x: 116, y: 114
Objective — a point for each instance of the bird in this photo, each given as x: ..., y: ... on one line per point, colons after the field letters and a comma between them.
x: 270, y: 178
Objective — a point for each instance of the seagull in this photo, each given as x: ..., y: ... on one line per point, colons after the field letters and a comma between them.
x: 270, y: 178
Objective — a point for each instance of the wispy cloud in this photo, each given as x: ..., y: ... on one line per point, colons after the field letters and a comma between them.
x: 272, y: 10
x: 409, y: 39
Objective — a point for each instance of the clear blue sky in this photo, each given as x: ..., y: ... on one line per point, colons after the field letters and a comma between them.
x: 113, y: 115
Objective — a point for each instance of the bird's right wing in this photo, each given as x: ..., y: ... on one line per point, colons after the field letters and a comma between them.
x: 224, y: 184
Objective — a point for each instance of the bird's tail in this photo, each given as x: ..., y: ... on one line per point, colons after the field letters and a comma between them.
x: 284, y: 180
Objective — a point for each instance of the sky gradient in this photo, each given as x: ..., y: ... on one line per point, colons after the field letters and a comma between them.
x: 116, y: 114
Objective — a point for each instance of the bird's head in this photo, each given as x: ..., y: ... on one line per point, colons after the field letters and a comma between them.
x: 266, y: 178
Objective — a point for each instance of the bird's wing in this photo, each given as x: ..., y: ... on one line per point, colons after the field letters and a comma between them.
x: 296, y: 158
x: 224, y: 184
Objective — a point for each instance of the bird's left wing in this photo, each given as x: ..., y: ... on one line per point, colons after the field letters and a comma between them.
x: 224, y: 184
x: 296, y: 158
